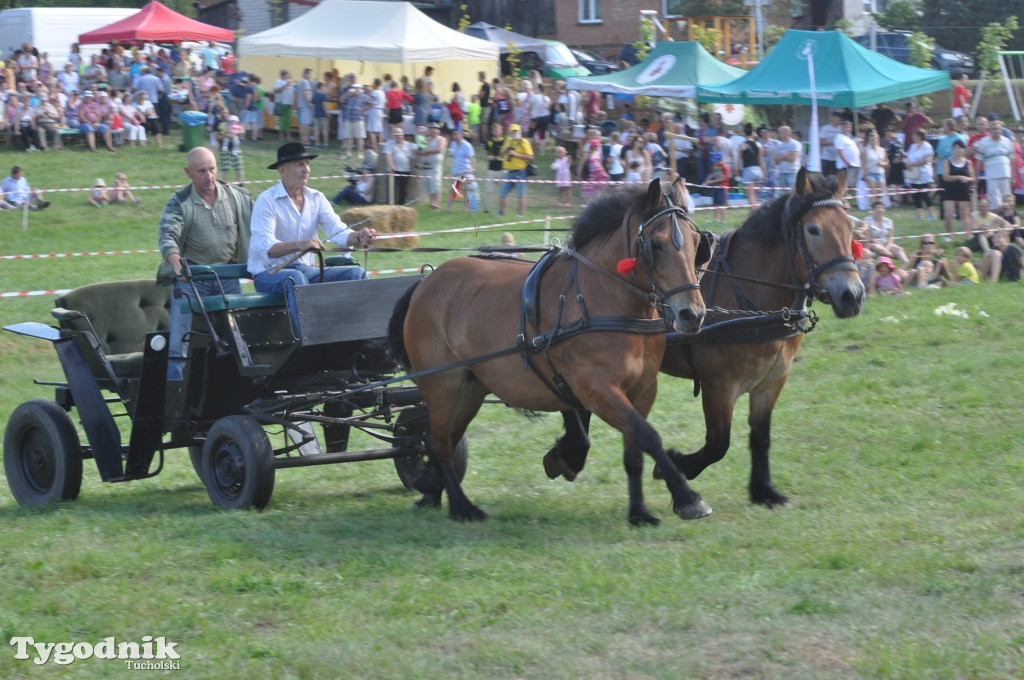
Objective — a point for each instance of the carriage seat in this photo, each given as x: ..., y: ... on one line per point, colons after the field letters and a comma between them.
x: 121, y: 313
x: 219, y: 303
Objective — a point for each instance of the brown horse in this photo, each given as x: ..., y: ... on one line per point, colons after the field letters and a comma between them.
x: 796, y: 248
x: 469, y: 330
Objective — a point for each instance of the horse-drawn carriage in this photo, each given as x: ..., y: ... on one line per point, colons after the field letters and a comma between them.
x: 590, y: 336
x: 252, y: 365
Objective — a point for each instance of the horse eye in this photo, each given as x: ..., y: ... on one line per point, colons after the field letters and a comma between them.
x: 814, y: 230
x: 657, y: 244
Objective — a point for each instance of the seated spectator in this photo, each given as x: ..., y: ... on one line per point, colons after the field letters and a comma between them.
x: 121, y: 192
x: 19, y: 193
x: 91, y: 121
x: 48, y: 121
x: 963, y: 269
x: 362, y: 191
x: 879, y: 234
x: 1008, y: 211
x: 928, y: 268
x: 99, y: 196
x: 985, y: 223
x: 1002, y: 261
x: 4, y: 205
x: 887, y: 282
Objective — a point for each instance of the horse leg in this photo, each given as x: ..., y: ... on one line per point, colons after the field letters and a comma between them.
x: 639, y: 436
x: 447, y: 427
x: 569, y: 454
x: 761, y: 489
x: 718, y: 410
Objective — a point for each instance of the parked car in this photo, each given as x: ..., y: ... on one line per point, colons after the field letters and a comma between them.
x: 593, y: 63
x: 896, y: 45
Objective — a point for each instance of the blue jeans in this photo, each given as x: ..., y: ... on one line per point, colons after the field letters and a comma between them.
x: 350, y: 194
x: 520, y: 187
x: 181, y: 322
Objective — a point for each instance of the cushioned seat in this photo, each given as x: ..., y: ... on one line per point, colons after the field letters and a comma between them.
x: 218, y: 303
x: 121, y: 313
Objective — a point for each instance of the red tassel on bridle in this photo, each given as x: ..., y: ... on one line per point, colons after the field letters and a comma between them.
x: 857, y: 250
x: 626, y: 266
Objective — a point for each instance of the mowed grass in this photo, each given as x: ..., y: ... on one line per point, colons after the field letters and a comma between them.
x: 898, y: 437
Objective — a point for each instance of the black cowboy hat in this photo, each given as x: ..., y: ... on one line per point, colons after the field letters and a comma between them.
x: 292, y: 151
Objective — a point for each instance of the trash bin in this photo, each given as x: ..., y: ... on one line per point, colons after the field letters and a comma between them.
x: 193, y: 128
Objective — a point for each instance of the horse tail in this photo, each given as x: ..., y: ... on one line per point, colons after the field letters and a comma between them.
x: 396, y: 326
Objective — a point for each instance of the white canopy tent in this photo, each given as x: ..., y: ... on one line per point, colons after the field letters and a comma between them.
x: 370, y: 39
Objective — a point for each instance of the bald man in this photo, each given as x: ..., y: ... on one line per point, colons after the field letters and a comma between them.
x: 207, y: 222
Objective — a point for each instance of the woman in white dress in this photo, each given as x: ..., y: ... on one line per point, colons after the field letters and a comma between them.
x: 375, y: 116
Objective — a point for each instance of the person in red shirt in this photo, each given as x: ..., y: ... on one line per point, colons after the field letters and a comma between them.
x: 912, y: 120
x: 393, y: 100
x: 961, y: 97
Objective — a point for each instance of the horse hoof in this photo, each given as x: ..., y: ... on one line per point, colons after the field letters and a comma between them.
x: 770, y: 498
x: 693, y: 510
x: 656, y: 472
x: 641, y: 516
x: 470, y: 514
x: 429, y: 500
x: 555, y: 467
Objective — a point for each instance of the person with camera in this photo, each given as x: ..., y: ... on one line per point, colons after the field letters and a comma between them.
x: 362, y: 184
x: 516, y: 154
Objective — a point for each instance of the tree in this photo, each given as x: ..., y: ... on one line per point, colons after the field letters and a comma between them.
x: 901, y: 16
x: 993, y: 40
x: 957, y: 24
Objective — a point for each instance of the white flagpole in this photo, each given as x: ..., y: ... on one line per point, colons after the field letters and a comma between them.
x: 814, y: 158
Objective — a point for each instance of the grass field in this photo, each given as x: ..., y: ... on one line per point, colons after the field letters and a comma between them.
x: 899, y: 439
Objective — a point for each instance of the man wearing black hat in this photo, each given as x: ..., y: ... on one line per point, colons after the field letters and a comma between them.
x: 285, y: 221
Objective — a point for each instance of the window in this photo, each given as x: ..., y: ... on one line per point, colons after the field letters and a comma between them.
x: 590, y: 11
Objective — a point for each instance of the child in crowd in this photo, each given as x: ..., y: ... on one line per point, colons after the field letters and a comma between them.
x: 229, y: 134
x: 888, y: 281
x: 509, y: 241
x: 718, y: 180
x: 471, y: 190
x: 963, y: 269
x: 99, y: 196
x: 121, y: 192
x: 634, y: 172
x: 473, y: 116
x: 562, y: 166
x: 321, y: 125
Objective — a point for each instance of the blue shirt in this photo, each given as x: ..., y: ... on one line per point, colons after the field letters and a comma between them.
x: 462, y: 157
x: 319, y: 110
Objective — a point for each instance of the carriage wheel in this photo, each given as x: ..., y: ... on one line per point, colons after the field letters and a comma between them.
x: 42, y: 454
x: 414, y: 467
x: 238, y: 464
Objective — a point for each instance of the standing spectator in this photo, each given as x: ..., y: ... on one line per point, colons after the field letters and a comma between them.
x: 613, y: 164
x: 321, y: 124
x: 237, y: 89
x: 210, y: 56
x: 882, y: 117
x: 492, y: 149
x: 961, y: 96
x: 431, y: 162
x: 28, y: 65
x: 163, y: 100
x: 75, y: 58
x: 996, y: 151
x: 119, y: 80
x: 897, y: 164
x: 284, y: 95
x: 399, y: 155
x: 516, y: 154
x: 354, y: 105
x: 562, y: 165
x: 463, y: 159
x: 718, y: 179
x: 754, y: 172
x: 146, y: 109
x: 395, y: 98
x: 980, y: 133
x: 957, y: 178
x: 473, y: 118
x: 304, y: 106
x: 253, y: 113
x: 540, y: 117
x: 17, y: 191
x: 69, y: 78
x: 375, y: 116
x: 920, y: 174
x: 94, y: 73
x: 944, y: 147
x: 874, y: 163
x: 913, y: 120
x: 149, y: 83
x: 230, y: 135
x: 847, y: 154
x: 484, y: 99
x: 768, y: 143
x: 422, y: 101
x: 827, y: 141
x: 502, y: 109
x: 90, y: 117
x: 597, y: 178
x: 787, y: 157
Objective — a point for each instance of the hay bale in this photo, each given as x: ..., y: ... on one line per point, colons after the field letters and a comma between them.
x: 397, y: 221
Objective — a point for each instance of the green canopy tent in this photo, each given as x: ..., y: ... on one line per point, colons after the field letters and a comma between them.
x: 846, y: 75
x: 672, y: 69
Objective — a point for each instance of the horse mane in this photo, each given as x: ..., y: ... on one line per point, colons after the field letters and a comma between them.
x: 605, y: 212
x: 766, y: 223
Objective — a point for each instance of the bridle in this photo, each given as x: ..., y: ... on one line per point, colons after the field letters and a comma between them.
x: 644, y: 255
x: 793, y: 231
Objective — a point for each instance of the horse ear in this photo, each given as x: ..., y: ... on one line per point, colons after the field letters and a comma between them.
x: 841, y: 191
x: 654, y: 194
x: 803, y: 183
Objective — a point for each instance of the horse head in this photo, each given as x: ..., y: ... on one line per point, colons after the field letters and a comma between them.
x: 665, y: 247
x: 817, y: 220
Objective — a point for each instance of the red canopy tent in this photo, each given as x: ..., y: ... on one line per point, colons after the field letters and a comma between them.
x: 156, y: 23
